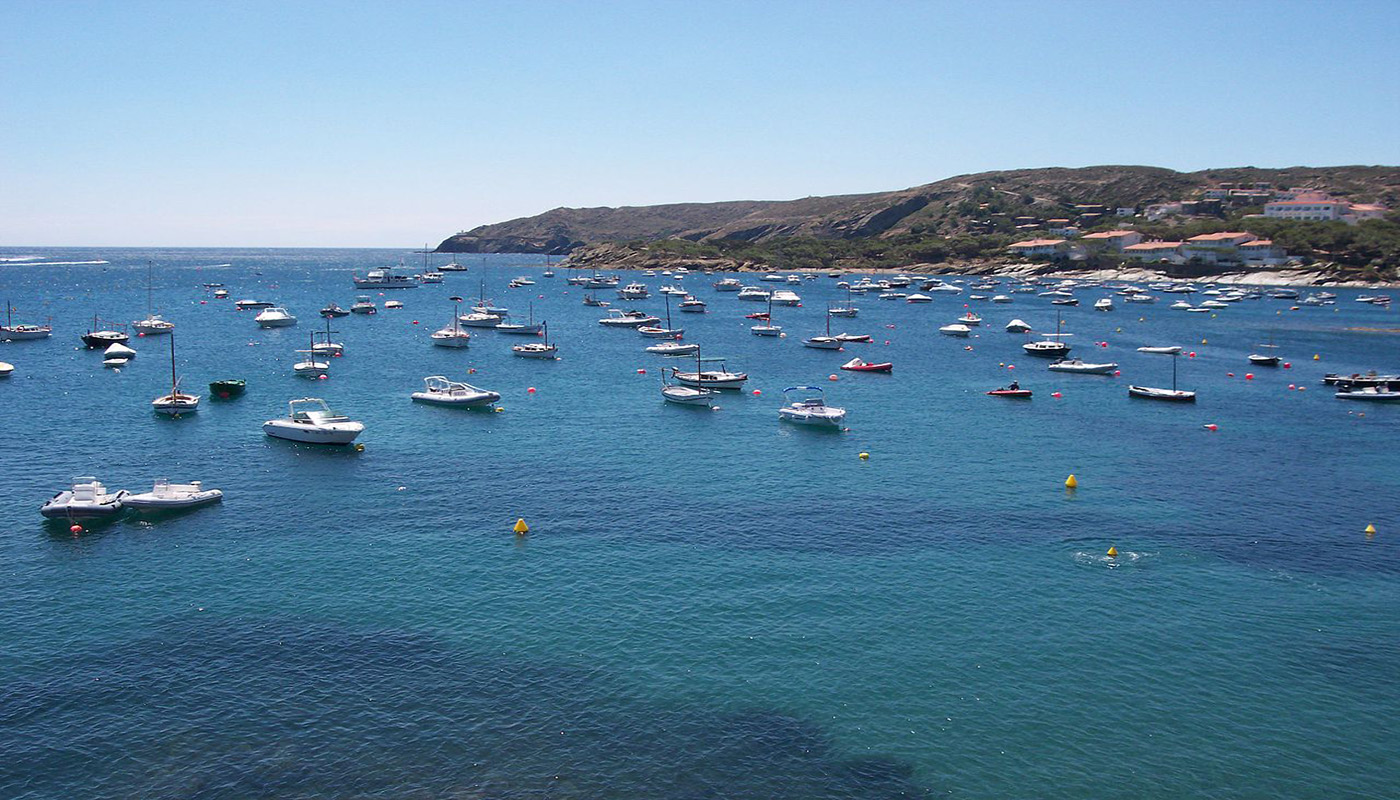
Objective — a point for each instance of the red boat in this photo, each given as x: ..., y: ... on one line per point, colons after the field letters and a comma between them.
x: 856, y: 365
x: 1010, y: 393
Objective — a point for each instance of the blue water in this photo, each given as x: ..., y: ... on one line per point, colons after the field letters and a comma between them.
x: 710, y: 604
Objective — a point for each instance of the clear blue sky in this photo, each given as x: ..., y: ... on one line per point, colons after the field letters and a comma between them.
x: 397, y: 123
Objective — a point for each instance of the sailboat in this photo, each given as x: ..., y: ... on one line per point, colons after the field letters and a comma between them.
x: 688, y: 395
x: 847, y: 310
x: 327, y: 347
x: 526, y: 330
x: 98, y: 336
x: 767, y: 328
x: 152, y: 325
x: 827, y: 342
x: 10, y: 332
x: 658, y: 332
x: 1270, y: 360
x: 483, y: 315
x: 175, y: 403
x: 453, y: 335
x: 1153, y: 393
x: 1051, y: 346
x: 311, y: 368
x: 537, y: 349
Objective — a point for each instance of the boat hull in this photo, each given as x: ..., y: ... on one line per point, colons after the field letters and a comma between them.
x: 1169, y: 395
x: 333, y: 434
x: 62, y: 506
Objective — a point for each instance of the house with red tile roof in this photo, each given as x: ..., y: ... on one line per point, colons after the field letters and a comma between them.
x: 1111, y: 240
x: 1155, y: 252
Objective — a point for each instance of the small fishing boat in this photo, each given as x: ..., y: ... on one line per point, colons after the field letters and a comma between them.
x: 685, y: 395
x: 87, y: 499
x: 388, y: 304
x: 10, y: 332
x: 590, y: 300
x: 853, y: 337
x: 1141, y: 298
x: 692, y: 305
x: 1080, y: 367
x: 1172, y: 395
x: 310, y: 420
x: 857, y: 365
x: 617, y: 318
x: 1163, y: 350
x: 633, y: 291
x: 99, y: 336
x: 334, y: 310
x: 718, y: 378
x: 1263, y: 361
x: 543, y: 349
x: 227, y: 388
x: 1371, y: 378
x: 811, y: 409
x: 1103, y: 304
x: 1013, y: 391
x: 1374, y: 394
x: 1181, y: 305
x: 452, y: 335
x: 275, y: 317
x: 177, y: 402
x: 1002, y: 298
x: 167, y: 496
x: 221, y: 294
x: 437, y: 389
x: 363, y: 305
x: 970, y: 319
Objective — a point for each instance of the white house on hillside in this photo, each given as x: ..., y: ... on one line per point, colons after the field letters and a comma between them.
x: 1116, y: 240
x: 1155, y: 251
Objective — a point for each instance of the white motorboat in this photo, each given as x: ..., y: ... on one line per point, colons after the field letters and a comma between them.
x: 433, y: 277
x: 363, y: 305
x: 617, y: 318
x: 1018, y: 326
x: 310, y: 420
x: 1154, y: 393
x: 244, y: 305
x: 673, y: 349
x: 1103, y: 304
x: 6, y: 369
x: 1374, y: 394
x: 1142, y: 298
x: 167, y: 496
x: 718, y: 378
x: 275, y: 317
x: 728, y: 285
x: 177, y: 402
x: 786, y: 297
x: 1214, y: 304
x: 1002, y: 298
x: 87, y: 499
x: 119, y: 350
x: 453, y: 267
x: 673, y: 290
x: 388, y: 304
x: 918, y: 298
x: 692, y: 305
x: 1180, y: 305
x: 753, y: 293
x: 384, y: 279
x: 479, y: 319
x: 543, y: 349
x: 956, y: 329
x: 773, y: 277
x: 1166, y: 351
x: 1081, y: 367
x: 10, y: 332
x: 892, y: 295
x: 439, y: 390
x: 970, y: 319
x: 811, y: 409
x: 452, y: 335
x: 633, y: 291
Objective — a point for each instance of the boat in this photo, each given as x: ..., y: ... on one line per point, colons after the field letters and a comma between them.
x: 1374, y: 394
x: 480, y: 319
x: 1065, y: 301
x: 310, y: 367
x: 10, y: 332
x: 515, y: 328
x: 1050, y: 346
x: 167, y: 496
x: 322, y: 345
x: 453, y: 267
x: 1103, y: 304
x: 152, y: 325
x: 853, y: 337
x: 1357, y: 379
x: 786, y: 297
x: 275, y: 317
x: 543, y: 349
x: 221, y: 294
x: 1263, y: 361
x: 766, y: 326
x: 773, y: 277
x: 6, y: 369
x: 692, y: 305
x: 452, y: 335
x: 433, y: 277
x: 1018, y: 326
x: 333, y: 310
x: 720, y: 378
x: 857, y: 365
x: 688, y: 395
x: 244, y: 305
x: 177, y: 402
x: 310, y: 420
x: 673, y: 349
x: 119, y: 351
x: 438, y: 390
x: 970, y: 319
x: 1164, y: 350
x: 848, y: 310
x: 918, y: 298
x: 753, y: 293
x: 956, y: 329
x: 227, y: 388
x: 1181, y: 305
x: 672, y: 289
x: 617, y: 318
x: 384, y: 279
x: 655, y: 331
x: 892, y: 295
x: 98, y: 336
x: 1013, y: 391
x: 1081, y: 367
x: 827, y: 342
x: 363, y: 305
x: 728, y: 285
x: 1214, y: 304
x: 87, y: 499
x: 590, y: 300
x: 1002, y: 298
x: 392, y: 304
x: 1173, y: 394
x: 811, y: 409
x: 633, y: 291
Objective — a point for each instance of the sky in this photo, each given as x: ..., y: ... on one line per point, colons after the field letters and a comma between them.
x: 362, y: 124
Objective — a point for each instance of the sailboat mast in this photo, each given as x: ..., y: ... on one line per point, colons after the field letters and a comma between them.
x: 174, y: 382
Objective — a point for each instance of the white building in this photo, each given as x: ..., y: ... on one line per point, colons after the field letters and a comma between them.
x: 1039, y: 247
x: 1155, y: 251
x: 1115, y: 240
x: 1217, y: 248
x: 1307, y: 210
x: 1262, y: 253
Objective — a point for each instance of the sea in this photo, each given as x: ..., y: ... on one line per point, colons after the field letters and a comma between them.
x: 709, y: 603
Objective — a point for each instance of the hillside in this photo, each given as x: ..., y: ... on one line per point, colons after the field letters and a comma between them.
x: 944, y: 208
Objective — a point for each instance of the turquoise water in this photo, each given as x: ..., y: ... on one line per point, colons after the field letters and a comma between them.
x: 710, y: 603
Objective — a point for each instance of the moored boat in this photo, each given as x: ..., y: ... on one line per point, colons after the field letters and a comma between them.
x: 86, y: 499
x: 857, y: 365
x: 311, y: 420
x: 167, y: 496
x: 811, y: 409
x: 437, y: 389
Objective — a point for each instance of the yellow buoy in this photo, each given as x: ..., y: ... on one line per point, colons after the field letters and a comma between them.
x: 1316, y: 357
x: 1112, y: 551
x: 1071, y: 482
x: 864, y: 456
x: 1370, y: 530
x: 521, y: 527
x: 1203, y: 341
x: 359, y: 448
